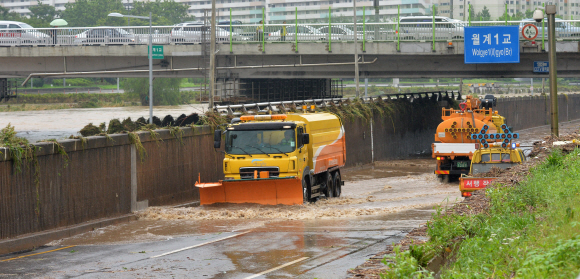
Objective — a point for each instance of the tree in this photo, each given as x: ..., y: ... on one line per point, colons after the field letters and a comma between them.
x: 529, y: 14
x: 95, y: 13
x: 484, y: 15
x: 471, y: 12
x: 503, y: 17
x: 166, y: 12
x: 6, y: 14
x: 165, y: 90
x: 42, y: 14
x: 518, y: 16
x: 92, y: 12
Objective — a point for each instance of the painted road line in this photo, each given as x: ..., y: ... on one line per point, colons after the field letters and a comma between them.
x: 276, y: 268
x: 20, y: 257
x: 198, y: 245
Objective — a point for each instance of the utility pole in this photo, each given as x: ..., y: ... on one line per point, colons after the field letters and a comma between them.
x: 212, y: 56
x: 551, y: 12
x: 356, y: 79
x: 376, y: 4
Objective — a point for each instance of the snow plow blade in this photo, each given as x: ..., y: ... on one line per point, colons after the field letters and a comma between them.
x: 287, y: 190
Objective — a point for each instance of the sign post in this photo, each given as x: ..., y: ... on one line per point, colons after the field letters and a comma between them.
x: 494, y: 44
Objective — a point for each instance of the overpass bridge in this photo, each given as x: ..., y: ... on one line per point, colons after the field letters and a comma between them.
x: 386, y: 50
x: 279, y: 60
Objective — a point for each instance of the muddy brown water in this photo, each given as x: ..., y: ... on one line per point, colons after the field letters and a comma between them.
x: 380, y: 189
x: 59, y: 124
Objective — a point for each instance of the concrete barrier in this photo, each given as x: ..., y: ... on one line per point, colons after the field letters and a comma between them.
x: 106, y: 178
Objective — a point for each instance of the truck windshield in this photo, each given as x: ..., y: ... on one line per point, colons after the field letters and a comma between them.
x: 260, y: 142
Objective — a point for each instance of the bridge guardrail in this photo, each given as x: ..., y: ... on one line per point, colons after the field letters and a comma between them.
x: 267, y: 33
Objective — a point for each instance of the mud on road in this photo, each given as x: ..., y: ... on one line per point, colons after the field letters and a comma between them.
x: 384, y: 187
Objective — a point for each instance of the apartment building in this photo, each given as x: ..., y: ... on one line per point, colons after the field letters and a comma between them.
x: 458, y: 9
x: 21, y: 6
x: 273, y: 11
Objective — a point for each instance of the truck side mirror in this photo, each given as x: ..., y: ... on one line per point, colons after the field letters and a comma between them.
x: 305, y: 138
x: 217, y: 138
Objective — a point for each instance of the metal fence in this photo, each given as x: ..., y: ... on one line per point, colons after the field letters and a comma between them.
x: 403, y: 31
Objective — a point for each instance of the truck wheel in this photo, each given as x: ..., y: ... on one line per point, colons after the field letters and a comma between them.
x: 337, y: 184
x: 305, y: 190
x: 329, y: 192
x: 446, y: 178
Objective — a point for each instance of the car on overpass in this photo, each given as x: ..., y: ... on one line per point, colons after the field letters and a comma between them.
x: 20, y: 33
x: 421, y: 28
x: 305, y: 33
x: 196, y: 32
x: 343, y: 33
x: 106, y: 35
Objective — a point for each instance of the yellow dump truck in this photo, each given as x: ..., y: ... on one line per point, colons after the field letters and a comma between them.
x: 279, y: 159
x: 483, y: 161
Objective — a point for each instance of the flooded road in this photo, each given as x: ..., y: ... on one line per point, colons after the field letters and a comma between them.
x: 59, y: 124
x: 381, y: 203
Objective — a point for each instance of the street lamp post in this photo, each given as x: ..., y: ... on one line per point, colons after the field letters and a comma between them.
x: 551, y: 12
x: 150, y: 47
x: 538, y: 16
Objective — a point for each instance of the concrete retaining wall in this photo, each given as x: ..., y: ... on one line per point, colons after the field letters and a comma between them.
x: 528, y: 112
x: 106, y: 178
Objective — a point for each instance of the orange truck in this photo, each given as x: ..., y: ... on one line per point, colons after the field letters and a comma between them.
x: 279, y: 159
x: 454, y: 146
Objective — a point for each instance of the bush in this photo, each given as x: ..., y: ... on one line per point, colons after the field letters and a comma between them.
x: 90, y: 130
x: 166, y: 90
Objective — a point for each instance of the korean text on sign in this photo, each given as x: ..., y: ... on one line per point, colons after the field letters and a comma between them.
x: 497, y: 44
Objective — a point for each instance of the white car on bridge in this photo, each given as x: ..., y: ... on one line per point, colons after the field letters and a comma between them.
x: 104, y: 35
x: 421, y: 28
x: 344, y: 33
x: 20, y: 33
x: 305, y: 33
x: 196, y: 32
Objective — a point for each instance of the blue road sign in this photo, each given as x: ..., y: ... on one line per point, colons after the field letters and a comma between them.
x: 492, y: 44
x: 541, y: 67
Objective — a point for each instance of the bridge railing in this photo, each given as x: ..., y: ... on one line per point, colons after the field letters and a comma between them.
x: 267, y: 33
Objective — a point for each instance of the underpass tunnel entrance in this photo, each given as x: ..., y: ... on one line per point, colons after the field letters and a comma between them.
x: 233, y: 91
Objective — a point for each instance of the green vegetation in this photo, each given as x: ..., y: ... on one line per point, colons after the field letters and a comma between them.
x: 26, y: 102
x: 87, y: 13
x: 531, y: 230
x: 166, y: 90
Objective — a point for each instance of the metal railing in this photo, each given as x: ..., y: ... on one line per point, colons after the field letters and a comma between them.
x: 268, y: 33
x: 273, y: 107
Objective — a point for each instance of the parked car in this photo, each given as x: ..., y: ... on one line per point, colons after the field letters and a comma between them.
x: 563, y: 29
x: 343, y: 33
x: 192, y: 32
x: 305, y: 33
x: 20, y: 33
x: 105, y: 35
x: 421, y: 28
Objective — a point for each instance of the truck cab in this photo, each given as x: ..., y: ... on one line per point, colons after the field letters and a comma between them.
x: 483, y: 161
x: 487, y: 158
x: 273, y: 147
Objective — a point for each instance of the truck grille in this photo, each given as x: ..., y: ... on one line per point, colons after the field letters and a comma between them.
x: 248, y: 173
